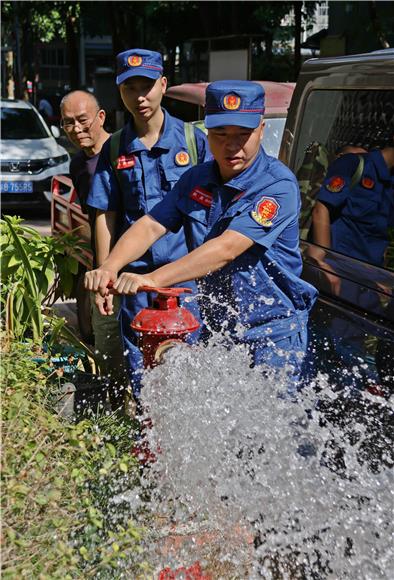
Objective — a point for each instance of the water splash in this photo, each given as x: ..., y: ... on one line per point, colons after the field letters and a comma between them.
x: 255, y: 485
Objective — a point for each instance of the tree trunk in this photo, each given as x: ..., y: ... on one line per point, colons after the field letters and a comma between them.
x: 297, y: 38
x: 72, y: 47
x: 9, y: 61
x: 376, y: 25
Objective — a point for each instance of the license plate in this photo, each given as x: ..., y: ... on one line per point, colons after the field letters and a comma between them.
x: 16, y: 187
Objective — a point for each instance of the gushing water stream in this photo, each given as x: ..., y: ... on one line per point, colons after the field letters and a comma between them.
x: 255, y: 484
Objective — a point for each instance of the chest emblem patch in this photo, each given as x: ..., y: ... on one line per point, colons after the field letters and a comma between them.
x: 265, y: 211
x: 182, y: 158
x: 335, y: 184
x: 368, y: 183
x: 201, y: 196
x: 134, y: 60
x: 231, y: 102
x: 125, y: 162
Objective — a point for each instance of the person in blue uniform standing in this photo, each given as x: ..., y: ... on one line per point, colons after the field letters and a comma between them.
x: 354, y: 218
x: 137, y: 168
x: 240, y: 214
x: 354, y: 215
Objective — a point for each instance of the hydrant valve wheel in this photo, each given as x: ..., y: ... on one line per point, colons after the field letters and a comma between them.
x: 166, y: 291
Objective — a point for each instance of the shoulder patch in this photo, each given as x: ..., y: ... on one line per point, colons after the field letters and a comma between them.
x: 182, y: 158
x: 265, y: 211
x: 201, y: 196
x: 368, y: 182
x: 335, y: 184
x: 125, y: 162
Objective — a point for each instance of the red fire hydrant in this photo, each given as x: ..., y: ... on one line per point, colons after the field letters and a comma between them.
x: 163, y: 324
x: 160, y: 326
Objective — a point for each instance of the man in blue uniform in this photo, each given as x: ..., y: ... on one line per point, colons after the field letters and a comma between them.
x: 137, y: 168
x: 240, y: 214
x: 353, y: 215
x: 354, y: 218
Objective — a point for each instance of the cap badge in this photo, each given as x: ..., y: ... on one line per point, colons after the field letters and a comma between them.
x: 182, y: 158
x: 335, y: 184
x: 134, y: 60
x: 231, y: 102
x: 368, y: 183
x: 265, y: 211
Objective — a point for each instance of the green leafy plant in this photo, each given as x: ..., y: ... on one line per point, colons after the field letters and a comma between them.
x: 58, y: 480
x: 35, y: 271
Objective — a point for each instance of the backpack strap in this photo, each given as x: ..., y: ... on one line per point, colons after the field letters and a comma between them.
x: 191, y: 142
x: 358, y: 173
x: 114, y: 146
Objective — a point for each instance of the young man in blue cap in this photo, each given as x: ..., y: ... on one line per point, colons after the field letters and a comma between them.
x: 240, y: 214
x: 137, y: 168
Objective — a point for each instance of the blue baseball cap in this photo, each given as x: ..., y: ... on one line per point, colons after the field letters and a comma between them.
x: 138, y: 62
x: 234, y: 103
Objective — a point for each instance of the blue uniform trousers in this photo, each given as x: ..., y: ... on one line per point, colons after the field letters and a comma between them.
x: 285, y: 353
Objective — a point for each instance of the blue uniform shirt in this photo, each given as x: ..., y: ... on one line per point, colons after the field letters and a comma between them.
x: 360, y: 216
x: 261, y: 288
x: 145, y: 177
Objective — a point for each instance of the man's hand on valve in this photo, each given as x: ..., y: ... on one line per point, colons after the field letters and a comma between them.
x: 129, y: 283
x: 100, y: 280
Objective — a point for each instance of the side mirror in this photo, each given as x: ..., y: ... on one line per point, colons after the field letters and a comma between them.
x: 55, y: 131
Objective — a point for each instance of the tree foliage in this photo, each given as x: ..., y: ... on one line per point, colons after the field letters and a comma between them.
x: 161, y: 26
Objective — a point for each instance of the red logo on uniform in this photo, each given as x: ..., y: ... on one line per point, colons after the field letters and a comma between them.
x: 135, y: 60
x: 265, y: 211
x: 182, y: 158
x: 202, y: 196
x: 335, y: 184
x: 368, y: 183
x: 231, y: 102
x: 125, y: 162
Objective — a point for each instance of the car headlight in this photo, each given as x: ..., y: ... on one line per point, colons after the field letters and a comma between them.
x: 52, y: 161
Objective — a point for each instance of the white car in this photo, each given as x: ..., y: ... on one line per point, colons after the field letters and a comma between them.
x: 30, y: 156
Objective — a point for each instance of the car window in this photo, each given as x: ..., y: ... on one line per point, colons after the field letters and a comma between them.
x: 21, y: 124
x: 272, y: 136
x: 182, y: 109
x: 342, y: 162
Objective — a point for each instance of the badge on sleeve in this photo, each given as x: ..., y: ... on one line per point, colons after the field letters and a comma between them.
x: 265, y: 211
x: 202, y: 196
x: 125, y: 162
x: 182, y: 158
x: 335, y: 184
x: 368, y: 183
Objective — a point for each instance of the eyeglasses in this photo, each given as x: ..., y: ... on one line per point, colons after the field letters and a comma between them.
x: 69, y: 125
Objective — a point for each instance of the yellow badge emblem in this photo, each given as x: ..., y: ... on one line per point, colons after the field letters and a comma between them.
x: 182, y: 158
x: 265, y: 211
x: 135, y: 60
x: 231, y: 102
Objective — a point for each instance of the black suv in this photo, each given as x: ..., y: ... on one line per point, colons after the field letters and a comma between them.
x: 346, y: 104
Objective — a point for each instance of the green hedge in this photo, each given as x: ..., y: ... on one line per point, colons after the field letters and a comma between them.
x: 57, y: 478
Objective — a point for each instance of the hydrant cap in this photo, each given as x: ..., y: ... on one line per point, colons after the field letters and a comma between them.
x: 165, y: 317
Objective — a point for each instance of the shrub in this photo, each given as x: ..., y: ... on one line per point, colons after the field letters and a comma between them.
x: 35, y: 270
x: 57, y: 480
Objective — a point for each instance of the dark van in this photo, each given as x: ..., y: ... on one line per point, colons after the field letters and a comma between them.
x: 342, y: 110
